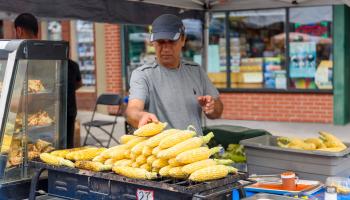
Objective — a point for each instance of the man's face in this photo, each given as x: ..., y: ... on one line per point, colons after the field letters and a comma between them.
x: 168, y: 52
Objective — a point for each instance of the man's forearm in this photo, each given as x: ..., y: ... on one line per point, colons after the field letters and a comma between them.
x: 133, y: 116
x: 218, y: 108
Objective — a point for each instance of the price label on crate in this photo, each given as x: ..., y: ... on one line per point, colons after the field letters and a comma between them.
x: 144, y: 194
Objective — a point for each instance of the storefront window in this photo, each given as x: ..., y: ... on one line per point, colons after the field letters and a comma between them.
x: 217, y: 51
x: 257, y: 49
x: 310, y: 48
x: 54, y: 30
x: 86, y: 53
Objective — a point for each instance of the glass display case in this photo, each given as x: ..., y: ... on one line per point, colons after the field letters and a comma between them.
x: 33, y: 82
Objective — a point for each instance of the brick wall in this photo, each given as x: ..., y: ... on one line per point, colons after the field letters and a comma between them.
x: 113, y: 61
x: 9, y: 31
x: 278, y: 107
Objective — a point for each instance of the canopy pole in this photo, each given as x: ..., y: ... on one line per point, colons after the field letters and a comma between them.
x: 205, y: 52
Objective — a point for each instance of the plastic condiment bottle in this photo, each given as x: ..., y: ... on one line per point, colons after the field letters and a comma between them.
x: 330, y: 193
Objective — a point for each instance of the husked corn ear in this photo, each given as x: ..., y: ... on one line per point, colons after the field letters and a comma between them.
x: 156, y: 150
x: 93, y: 166
x: 137, y: 149
x: 164, y: 171
x: 124, y: 162
x: 134, y: 172
x: 135, y: 165
x: 212, y: 173
x: 141, y: 159
x: 87, y: 154
x: 135, y: 141
x: 190, y: 168
x: 55, y: 160
x: 176, y: 172
x: 316, y: 141
x: 176, y: 138
x: 159, y: 163
x: 70, y: 155
x: 133, y: 156
x: 126, y: 138
x: 63, y: 152
x: 172, y: 162
x: 99, y: 159
x: 146, y: 167
x: 151, y: 159
x: 150, y: 129
x: 155, y: 170
x: 110, y: 161
x: 197, y: 154
x: 155, y: 140
x: 127, y: 154
x: 188, y: 144
x: 116, y: 151
x: 147, y: 151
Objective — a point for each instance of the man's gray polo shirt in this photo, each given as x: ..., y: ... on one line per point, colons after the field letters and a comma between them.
x: 171, y: 94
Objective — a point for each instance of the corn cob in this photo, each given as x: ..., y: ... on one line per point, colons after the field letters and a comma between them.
x: 147, y: 151
x: 133, y: 156
x: 212, y: 173
x: 195, y: 155
x: 173, y: 163
x: 176, y: 138
x: 316, y: 141
x: 137, y: 149
x: 155, y: 140
x: 141, y: 159
x: 146, y: 167
x: 176, y: 172
x: 331, y: 141
x: 127, y: 154
x: 135, y: 165
x: 124, y: 162
x: 159, y: 163
x: 156, y: 150
x: 93, y: 166
x: 116, y: 151
x: 190, y: 168
x: 151, y: 159
x: 134, y: 172
x: 55, y: 160
x: 70, y: 155
x: 110, y: 161
x: 99, y: 159
x: 126, y: 138
x: 135, y: 141
x: 155, y: 170
x: 164, y: 171
x: 87, y: 154
x: 150, y: 129
x: 186, y: 145
x: 63, y: 152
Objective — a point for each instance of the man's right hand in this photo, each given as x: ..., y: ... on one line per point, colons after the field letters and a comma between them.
x: 146, y: 118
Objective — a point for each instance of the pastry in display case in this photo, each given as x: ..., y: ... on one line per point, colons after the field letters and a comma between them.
x: 33, y: 77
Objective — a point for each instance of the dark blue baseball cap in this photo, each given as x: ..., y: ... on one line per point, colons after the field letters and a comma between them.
x: 167, y: 27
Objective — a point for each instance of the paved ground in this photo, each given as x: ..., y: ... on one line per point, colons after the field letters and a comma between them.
x: 276, y: 128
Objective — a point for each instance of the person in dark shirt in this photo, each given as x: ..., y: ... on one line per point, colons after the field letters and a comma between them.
x: 74, y: 83
x: 26, y: 27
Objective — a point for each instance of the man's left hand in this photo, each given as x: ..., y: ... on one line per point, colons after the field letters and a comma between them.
x: 207, y: 103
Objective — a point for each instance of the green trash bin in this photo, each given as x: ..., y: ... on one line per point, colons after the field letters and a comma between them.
x: 227, y: 134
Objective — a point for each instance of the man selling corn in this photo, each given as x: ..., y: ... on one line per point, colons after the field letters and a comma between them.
x: 171, y: 89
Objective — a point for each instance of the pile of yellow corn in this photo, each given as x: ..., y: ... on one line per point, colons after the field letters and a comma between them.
x: 151, y: 151
x: 325, y: 142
